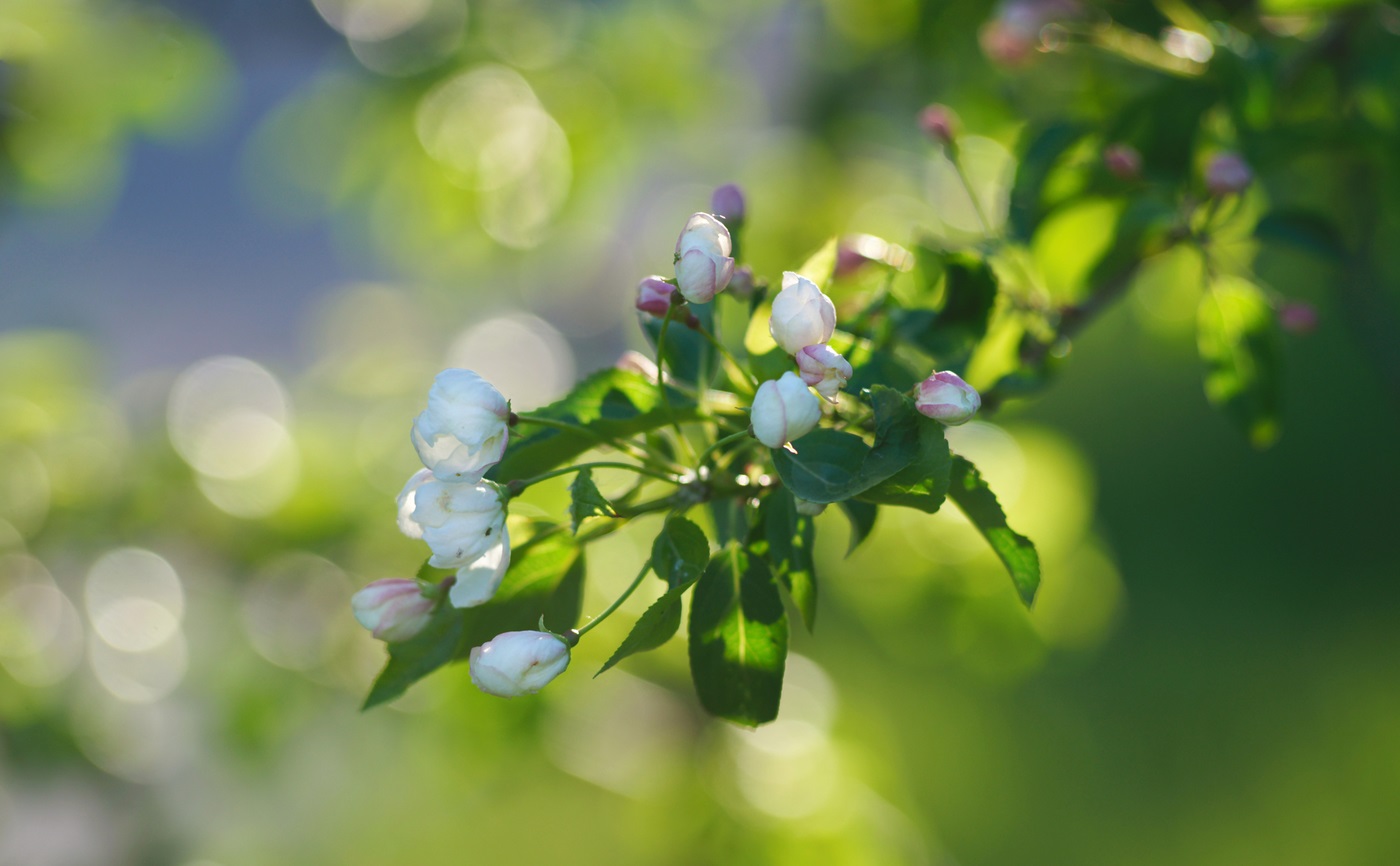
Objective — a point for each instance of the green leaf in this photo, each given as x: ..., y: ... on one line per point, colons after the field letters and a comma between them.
x: 924, y: 482
x: 969, y: 294
x: 586, y: 501
x: 832, y: 465
x: 686, y: 352
x: 738, y: 638
x: 1237, y: 335
x: 786, y: 538
x: 1042, y: 153
x: 610, y: 404
x: 980, y: 505
x: 680, y: 552
x: 820, y: 267
x: 862, y: 516
x: 654, y: 627
x: 1308, y: 231
x: 411, y: 660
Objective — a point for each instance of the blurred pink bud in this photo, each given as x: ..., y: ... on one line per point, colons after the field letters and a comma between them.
x: 393, y: 609
x: 1003, y: 45
x: 824, y: 369
x: 635, y: 362
x: 654, y: 296
x: 727, y: 203
x: 703, y: 265
x: 1227, y: 173
x: 784, y: 409
x: 518, y: 662
x: 741, y: 284
x: 946, y: 397
x: 1123, y: 161
x: 856, y: 251
x: 1297, y: 317
x: 939, y: 123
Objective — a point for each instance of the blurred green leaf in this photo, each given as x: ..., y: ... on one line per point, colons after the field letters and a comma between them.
x: 820, y: 266
x: 832, y: 465
x: 585, y: 501
x: 980, y: 505
x: 862, y: 517
x: 687, y: 354
x: 786, y: 539
x: 680, y: 552
x: 1237, y: 335
x: 612, y: 403
x: 1304, y: 230
x: 969, y: 293
x: 738, y: 638
x: 1044, y: 149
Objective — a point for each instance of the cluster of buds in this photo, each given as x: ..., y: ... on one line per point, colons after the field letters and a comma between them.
x: 802, y: 322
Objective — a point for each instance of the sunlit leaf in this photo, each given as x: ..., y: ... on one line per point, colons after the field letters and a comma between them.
x: 680, y: 552
x: 980, y: 505
x: 1237, y: 335
x: 585, y: 500
x: 786, y: 540
x: 832, y: 465
x: 924, y: 482
x: 821, y: 265
x: 654, y: 627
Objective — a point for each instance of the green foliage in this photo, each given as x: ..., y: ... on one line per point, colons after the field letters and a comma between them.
x: 954, y: 330
x: 786, y: 538
x: 655, y: 626
x: 585, y: 501
x: 680, y: 552
x: 1238, y: 339
x: 832, y: 465
x: 980, y: 505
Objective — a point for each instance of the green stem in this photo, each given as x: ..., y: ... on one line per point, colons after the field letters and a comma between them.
x: 620, y: 444
x: 955, y: 157
x: 729, y: 358
x: 718, y: 443
x: 600, y: 464
x: 636, y: 582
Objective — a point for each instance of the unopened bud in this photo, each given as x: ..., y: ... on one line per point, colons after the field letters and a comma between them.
x: 1123, y: 161
x: 783, y: 410
x: 633, y: 361
x: 802, y: 315
x: 824, y: 369
x: 518, y: 662
x: 727, y: 203
x: 1227, y: 173
x: 939, y: 122
x: 654, y: 295
x: 393, y: 609
x: 463, y: 432
x: 741, y: 284
x: 947, y: 398
x: 1297, y: 317
x: 703, y: 262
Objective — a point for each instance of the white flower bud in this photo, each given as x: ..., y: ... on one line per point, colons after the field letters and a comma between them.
x: 946, y: 397
x: 463, y: 431
x: 824, y: 369
x: 802, y: 315
x: 393, y: 609
x: 783, y: 410
x: 518, y: 662
x: 703, y: 263
x: 464, y: 525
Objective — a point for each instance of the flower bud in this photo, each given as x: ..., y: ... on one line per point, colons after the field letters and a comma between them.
x: 463, y: 432
x: 807, y: 507
x: 946, y: 397
x: 703, y: 265
x: 824, y: 369
x: 393, y: 609
x: 741, y: 284
x: 939, y: 123
x: 518, y: 662
x: 727, y: 203
x: 1123, y: 161
x: 783, y: 410
x: 633, y: 361
x: 654, y: 296
x: 1227, y: 173
x: 464, y: 524
x: 1296, y: 317
x: 802, y: 315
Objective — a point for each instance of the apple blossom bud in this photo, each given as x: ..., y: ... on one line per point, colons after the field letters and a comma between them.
x: 703, y: 263
x: 518, y: 662
x: 946, y: 397
x: 783, y: 410
x: 939, y: 123
x: 727, y: 203
x: 802, y: 315
x: 1227, y: 173
x: 464, y: 430
x: 741, y: 284
x: 824, y: 369
x: 464, y: 524
x: 1297, y: 317
x: 393, y: 609
x: 807, y: 507
x: 654, y: 295
x: 633, y: 361
x: 1123, y: 161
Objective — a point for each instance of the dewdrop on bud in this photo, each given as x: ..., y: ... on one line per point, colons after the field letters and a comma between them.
x: 728, y: 204
x: 703, y: 263
x: 947, y: 398
x: 654, y: 296
x: 393, y: 609
x: 1227, y: 173
x: 802, y: 315
x: 1123, y: 161
x: 824, y: 369
x: 518, y: 662
x: 939, y: 123
x: 463, y: 432
x: 783, y: 410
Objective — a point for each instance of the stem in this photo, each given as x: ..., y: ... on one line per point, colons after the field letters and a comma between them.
x: 728, y: 357
x: 718, y: 443
x: 600, y: 464
x: 620, y: 444
x: 955, y: 157
x: 626, y: 593
x: 661, y: 383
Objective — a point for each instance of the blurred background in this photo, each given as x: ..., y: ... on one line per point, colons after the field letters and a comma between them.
x: 238, y: 240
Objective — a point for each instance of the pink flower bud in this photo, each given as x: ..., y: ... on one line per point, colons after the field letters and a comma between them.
x: 802, y: 315
x: 518, y: 662
x: 824, y: 369
x: 1297, y: 317
x: 1227, y: 173
x: 654, y: 296
x: 783, y: 410
x: 939, y: 123
x: 946, y: 397
x: 393, y: 609
x: 728, y: 204
x: 1123, y: 161
x: 703, y: 263
x: 741, y: 284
